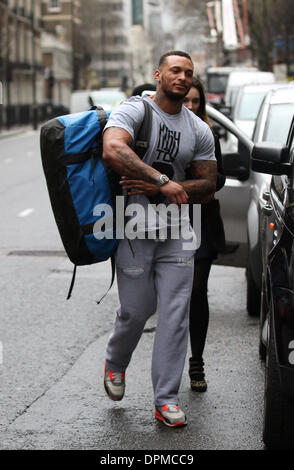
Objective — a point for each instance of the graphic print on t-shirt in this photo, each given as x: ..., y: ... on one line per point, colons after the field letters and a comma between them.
x: 168, y: 144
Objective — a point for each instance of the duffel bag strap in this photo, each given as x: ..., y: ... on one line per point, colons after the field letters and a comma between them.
x: 112, y: 259
x: 72, y: 282
x: 143, y: 137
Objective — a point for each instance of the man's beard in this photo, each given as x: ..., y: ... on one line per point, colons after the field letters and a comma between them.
x: 176, y: 97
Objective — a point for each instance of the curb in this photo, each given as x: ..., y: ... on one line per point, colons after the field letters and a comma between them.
x: 13, y: 133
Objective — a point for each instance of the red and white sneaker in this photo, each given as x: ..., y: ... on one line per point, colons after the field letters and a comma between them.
x: 171, y: 415
x: 114, y: 384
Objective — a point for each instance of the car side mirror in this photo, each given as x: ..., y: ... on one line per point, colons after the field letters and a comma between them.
x: 271, y: 158
x: 235, y: 167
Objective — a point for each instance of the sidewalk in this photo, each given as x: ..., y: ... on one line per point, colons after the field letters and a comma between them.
x: 14, y: 131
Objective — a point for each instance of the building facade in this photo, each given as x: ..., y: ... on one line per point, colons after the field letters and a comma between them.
x: 147, y: 39
x: 110, y: 64
x: 48, y: 48
x: 21, y: 68
x: 62, y: 25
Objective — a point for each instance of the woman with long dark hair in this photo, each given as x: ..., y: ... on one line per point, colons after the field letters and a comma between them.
x: 212, y: 243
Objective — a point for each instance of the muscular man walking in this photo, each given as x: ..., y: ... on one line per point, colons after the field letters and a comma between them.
x: 151, y: 269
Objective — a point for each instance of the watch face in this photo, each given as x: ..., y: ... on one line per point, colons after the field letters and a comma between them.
x: 164, y: 179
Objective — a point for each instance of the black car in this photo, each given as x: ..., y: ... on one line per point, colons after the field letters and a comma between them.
x: 277, y: 304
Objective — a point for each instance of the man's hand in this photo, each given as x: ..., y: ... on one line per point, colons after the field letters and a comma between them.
x: 172, y: 190
x: 175, y: 192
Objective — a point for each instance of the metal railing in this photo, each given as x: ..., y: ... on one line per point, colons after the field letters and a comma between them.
x: 18, y: 115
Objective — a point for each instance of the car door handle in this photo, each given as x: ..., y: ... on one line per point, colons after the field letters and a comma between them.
x: 267, y: 209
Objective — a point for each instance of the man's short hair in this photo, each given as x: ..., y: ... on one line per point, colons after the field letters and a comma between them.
x: 180, y: 53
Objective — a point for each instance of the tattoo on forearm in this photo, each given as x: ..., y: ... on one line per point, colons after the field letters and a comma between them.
x: 130, y: 165
x: 197, y: 190
x: 204, y: 183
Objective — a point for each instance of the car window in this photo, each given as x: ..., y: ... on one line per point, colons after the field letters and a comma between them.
x: 249, y: 106
x: 258, y: 123
x: 228, y: 142
x: 109, y: 97
x: 277, y: 184
x: 217, y: 83
x: 278, y: 123
x: 291, y: 160
x: 291, y: 144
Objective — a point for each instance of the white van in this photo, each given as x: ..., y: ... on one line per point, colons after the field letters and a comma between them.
x: 217, y: 80
x: 248, y: 102
x: 238, y: 79
x: 106, y: 97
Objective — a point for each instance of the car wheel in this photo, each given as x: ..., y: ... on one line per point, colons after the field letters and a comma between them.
x: 278, y: 430
x: 253, y: 295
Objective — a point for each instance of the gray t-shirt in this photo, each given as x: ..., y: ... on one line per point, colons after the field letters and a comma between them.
x: 176, y: 140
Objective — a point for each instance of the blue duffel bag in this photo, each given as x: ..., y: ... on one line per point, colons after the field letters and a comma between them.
x: 78, y: 180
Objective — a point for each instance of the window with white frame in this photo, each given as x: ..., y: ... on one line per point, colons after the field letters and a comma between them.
x: 54, y: 5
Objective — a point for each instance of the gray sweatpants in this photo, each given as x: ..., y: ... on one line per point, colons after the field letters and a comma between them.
x: 154, y: 270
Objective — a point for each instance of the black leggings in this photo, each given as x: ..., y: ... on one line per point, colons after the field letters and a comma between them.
x: 199, y: 310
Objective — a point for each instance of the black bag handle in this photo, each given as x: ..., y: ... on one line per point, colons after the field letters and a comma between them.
x: 143, y: 137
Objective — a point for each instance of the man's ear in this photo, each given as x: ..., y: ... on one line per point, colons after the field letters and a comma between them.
x: 157, y: 75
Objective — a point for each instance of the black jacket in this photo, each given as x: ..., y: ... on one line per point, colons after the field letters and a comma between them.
x: 210, y: 212
x: 211, y: 221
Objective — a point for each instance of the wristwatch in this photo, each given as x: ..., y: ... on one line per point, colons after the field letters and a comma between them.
x: 163, y: 179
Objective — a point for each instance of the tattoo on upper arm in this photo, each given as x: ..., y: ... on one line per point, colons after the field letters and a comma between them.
x: 128, y: 163
x: 204, y: 173
x: 204, y: 169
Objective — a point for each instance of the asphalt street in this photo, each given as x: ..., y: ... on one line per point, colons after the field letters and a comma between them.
x: 52, y: 349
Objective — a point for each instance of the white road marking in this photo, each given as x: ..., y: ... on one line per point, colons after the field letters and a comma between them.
x: 26, y: 212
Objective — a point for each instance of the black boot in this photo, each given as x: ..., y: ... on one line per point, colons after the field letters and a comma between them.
x: 197, y: 376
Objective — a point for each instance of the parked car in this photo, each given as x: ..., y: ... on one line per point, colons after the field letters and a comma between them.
x: 216, y: 83
x: 247, y: 105
x: 238, y: 79
x: 277, y: 306
x: 107, y: 98
x: 248, y: 102
x: 272, y: 124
